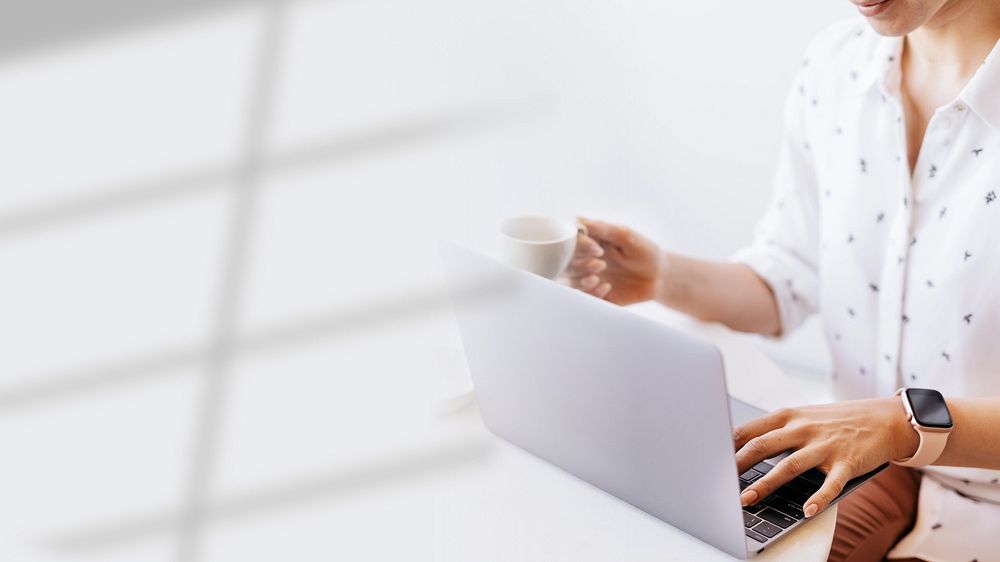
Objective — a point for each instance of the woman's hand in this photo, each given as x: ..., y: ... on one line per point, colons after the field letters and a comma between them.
x: 844, y: 440
x: 614, y: 263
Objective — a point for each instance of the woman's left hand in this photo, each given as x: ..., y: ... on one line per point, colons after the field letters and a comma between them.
x: 844, y: 440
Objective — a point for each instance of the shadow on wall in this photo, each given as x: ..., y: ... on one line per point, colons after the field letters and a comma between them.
x: 44, y: 24
x: 31, y: 27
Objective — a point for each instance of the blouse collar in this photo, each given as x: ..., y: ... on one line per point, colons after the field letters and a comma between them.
x: 982, y: 93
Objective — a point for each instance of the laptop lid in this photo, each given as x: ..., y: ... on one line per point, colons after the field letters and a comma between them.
x: 630, y: 405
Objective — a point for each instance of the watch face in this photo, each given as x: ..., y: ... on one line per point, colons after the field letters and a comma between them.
x: 929, y: 408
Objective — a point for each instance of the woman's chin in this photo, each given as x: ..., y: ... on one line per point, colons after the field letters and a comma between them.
x: 895, y: 18
x: 891, y: 27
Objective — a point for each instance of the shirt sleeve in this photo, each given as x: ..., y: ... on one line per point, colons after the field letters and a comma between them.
x: 785, y: 249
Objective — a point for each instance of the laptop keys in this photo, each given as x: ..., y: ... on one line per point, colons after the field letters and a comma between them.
x: 766, y: 519
x: 807, y: 482
x: 753, y: 508
x: 767, y: 529
x: 779, y: 519
x: 786, y: 507
x: 793, y: 495
x: 814, y: 476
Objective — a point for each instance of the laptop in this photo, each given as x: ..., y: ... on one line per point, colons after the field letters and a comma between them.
x: 630, y: 405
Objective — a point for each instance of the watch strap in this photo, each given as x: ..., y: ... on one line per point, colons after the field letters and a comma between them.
x: 932, y: 443
x: 931, y: 446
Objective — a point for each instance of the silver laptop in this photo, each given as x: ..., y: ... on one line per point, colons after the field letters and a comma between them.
x: 630, y: 405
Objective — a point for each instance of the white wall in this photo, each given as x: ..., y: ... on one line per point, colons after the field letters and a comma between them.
x: 217, y: 226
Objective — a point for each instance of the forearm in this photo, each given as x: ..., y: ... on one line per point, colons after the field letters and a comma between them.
x: 729, y: 293
x: 975, y: 439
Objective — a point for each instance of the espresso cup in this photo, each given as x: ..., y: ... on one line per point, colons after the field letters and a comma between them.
x: 542, y: 245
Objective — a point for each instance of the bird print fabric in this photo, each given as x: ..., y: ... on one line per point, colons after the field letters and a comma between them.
x: 904, y: 269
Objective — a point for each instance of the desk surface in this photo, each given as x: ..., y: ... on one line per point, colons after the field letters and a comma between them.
x: 508, y: 505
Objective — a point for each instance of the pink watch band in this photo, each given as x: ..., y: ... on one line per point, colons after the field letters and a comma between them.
x: 932, y: 440
x: 931, y: 446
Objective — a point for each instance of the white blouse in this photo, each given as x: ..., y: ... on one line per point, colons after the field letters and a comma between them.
x: 905, y: 271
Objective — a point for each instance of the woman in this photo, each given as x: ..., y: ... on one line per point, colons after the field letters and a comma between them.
x: 885, y: 219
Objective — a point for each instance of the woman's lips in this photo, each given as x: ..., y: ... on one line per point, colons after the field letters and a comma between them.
x: 871, y: 9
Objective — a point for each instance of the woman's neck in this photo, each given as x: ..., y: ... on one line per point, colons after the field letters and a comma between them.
x: 956, y: 40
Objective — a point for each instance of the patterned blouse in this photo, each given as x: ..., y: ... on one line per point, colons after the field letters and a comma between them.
x: 905, y: 271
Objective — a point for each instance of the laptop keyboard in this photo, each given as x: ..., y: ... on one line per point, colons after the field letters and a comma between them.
x: 782, y: 509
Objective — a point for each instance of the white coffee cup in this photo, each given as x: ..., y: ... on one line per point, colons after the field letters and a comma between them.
x: 541, y: 245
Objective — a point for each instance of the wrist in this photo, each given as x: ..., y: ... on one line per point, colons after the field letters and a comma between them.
x: 905, y: 439
x: 665, y: 288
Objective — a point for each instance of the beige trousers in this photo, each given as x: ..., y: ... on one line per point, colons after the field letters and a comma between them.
x: 872, y: 519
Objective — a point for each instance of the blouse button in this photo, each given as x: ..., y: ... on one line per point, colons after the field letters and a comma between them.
x: 959, y: 106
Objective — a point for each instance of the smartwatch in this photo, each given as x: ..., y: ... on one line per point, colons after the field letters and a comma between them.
x: 927, y: 411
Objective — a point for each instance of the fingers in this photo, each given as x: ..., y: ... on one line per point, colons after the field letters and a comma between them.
x: 591, y: 284
x: 607, y: 232
x: 581, y: 267
x: 766, y: 446
x: 602, y: 290
x: 835, y: 481
x: 760, y: 426
x: 786, y: 470
x: 584, y: 271
x: 587, y: 247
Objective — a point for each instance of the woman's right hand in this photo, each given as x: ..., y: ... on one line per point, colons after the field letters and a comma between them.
x: 616, y: 264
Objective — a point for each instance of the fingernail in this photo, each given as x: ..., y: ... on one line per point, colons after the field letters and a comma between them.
x: 748, y: 497
x: 811, y: 510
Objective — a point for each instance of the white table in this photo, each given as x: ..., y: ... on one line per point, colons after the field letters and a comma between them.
x: 507, y: 505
